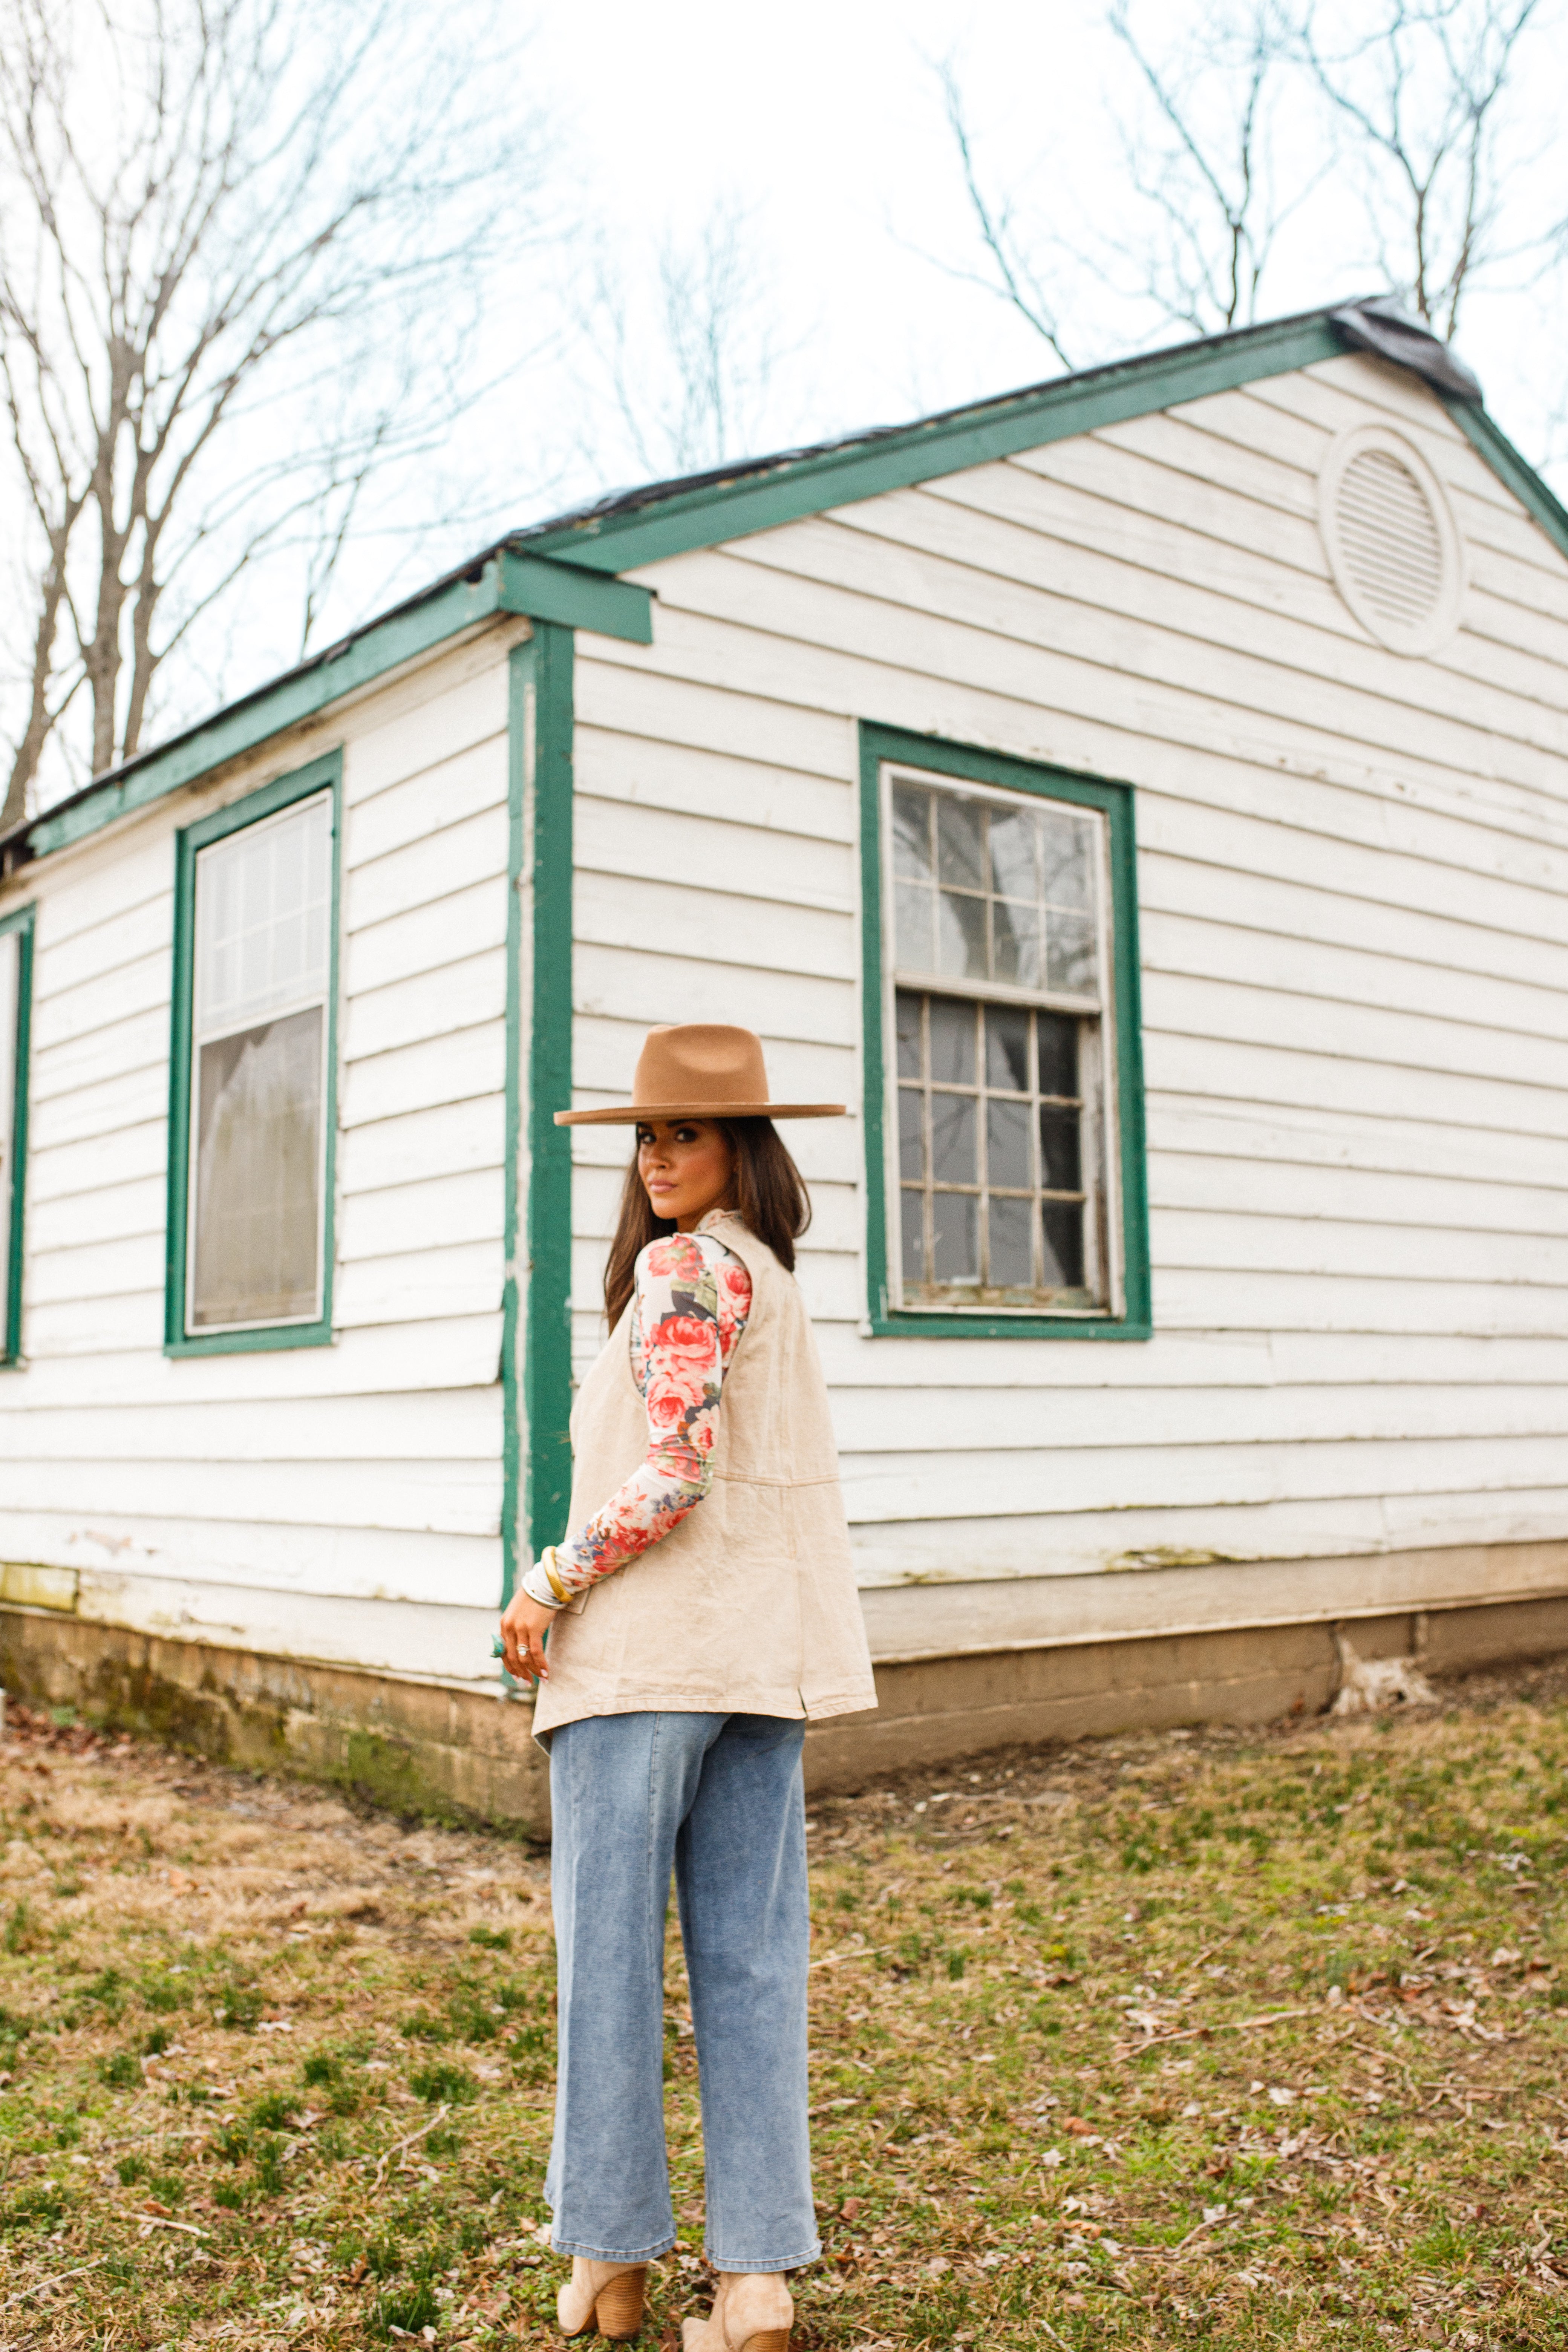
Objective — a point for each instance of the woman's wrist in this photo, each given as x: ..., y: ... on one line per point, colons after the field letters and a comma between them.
x: 542, y: 1583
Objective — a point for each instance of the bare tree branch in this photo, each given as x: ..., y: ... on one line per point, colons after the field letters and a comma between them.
x: 676, y: 367
x: 1019, y: 286
x: 1422, y: 88
x: 206, y: 200
x: 1240, y: 111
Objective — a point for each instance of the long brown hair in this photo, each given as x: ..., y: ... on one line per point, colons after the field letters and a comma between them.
x: 766, y: 1192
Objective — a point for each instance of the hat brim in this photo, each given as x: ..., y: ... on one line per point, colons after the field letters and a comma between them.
x: 634, y: 1114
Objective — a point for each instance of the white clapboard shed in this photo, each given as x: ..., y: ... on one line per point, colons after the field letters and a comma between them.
x: 1142, y: 798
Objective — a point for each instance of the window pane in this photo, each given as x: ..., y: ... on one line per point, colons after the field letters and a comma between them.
x: 951, y: 1042
x: 911, y: 1135
x: 915, y: 908
x: 907, y: 1019
x: 911, y: 831
x: 263, y: 918
x: 1058, y: 1053
x: 1008, y: 1145
x: 961, y: 842
x: 998, y: 894
x: 1065, y: 843
x: 258, y: 1140
x: 912, y: 1211
x: 956, y: 1219
x: 953, y: 1130
x: 1007, y: 1048
x: 961, y: 935
x: 1013, y: 835
x: 1012, y: 1265
x: 1063, y: 1225
x: 1070, y: 954
x: 1062, y: 1160
x: 1016, y: 931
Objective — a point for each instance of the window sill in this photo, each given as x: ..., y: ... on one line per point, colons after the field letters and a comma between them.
x: 959, y: 1323
x: 243, y: 1343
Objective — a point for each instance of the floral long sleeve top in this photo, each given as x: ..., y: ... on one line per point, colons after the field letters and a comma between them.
x: 692, y: 1298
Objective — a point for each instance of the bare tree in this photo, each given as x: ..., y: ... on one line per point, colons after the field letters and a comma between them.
x: 242, y: 251
x: 1200, y: 157
x: 1013, y: 271
x: 1209, y: 176
x: 1422, y: 88
x: 676, y: 362
x: 1245, y: 111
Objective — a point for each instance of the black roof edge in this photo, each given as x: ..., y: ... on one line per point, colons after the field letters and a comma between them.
x: 1376, y: 322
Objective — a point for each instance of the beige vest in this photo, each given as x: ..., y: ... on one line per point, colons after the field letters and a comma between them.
x: 748, y: 1606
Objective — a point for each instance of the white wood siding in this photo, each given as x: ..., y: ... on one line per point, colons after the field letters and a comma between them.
x: 1353, y: 875
x: 301, y: 1498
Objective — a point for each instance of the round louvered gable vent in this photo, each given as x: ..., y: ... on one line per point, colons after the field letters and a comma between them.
x: 1391, y: 540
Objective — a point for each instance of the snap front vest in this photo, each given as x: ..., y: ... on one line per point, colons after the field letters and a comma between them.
x: 748, y: 1606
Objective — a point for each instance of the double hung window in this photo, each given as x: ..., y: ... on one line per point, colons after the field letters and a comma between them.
x: 254, y: 1068
x: 16, y: 998
x: 1007, y: 1046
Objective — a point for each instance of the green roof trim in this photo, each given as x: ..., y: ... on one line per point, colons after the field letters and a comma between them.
x: 548, y: 589
x: 539, y: 587
x: 1515, y: 472
x: 563, y: 572
x: 789, y: 487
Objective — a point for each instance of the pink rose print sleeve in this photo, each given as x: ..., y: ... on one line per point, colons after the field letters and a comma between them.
x: 692, y: 1299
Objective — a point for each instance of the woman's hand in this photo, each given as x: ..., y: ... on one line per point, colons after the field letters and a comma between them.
x: 522, y: 1632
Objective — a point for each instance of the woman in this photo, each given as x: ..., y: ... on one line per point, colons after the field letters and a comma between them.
x: 702, y: 1607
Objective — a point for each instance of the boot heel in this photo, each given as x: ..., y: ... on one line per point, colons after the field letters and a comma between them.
x: 618, y: 2307
x: 766, y: 2339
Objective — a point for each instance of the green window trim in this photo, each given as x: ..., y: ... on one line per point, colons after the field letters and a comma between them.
x: 21, y: 923
x: 322, y: 774
x: 536, y: 1319
x: 882, y: 745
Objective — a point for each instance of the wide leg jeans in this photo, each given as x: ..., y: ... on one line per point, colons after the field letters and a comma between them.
x: 718, y: 1799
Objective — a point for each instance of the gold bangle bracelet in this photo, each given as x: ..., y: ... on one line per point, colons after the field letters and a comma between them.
x: 547, y: 1562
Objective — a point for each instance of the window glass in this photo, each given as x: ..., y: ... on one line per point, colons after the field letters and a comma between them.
x: 994, y: 889
x: 1002, y: 1151
x: 263, y: 949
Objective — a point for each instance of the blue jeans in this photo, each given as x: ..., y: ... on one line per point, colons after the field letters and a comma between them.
x: 718, y: 1798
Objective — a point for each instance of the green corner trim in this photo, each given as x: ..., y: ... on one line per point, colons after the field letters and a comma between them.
x: 504, y: 582
x: 322, y: 774
x: 1515, y: 471
x: 939, y: 756
x: 21, y: 922
x: 536, y: 1362
x: 520, y: 714
x: 792, y: 486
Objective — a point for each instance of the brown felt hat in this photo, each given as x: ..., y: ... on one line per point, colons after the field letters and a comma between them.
x: 699, y: 1069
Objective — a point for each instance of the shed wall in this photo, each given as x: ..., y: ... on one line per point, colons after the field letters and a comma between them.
x: 294, y: 1501
x: 1353, y: 877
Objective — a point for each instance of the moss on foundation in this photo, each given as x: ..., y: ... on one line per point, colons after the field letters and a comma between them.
x: 415, y: 1749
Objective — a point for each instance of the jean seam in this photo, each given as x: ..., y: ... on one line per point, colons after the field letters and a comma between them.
x: 761, y: 2266
x: 613, y: 2253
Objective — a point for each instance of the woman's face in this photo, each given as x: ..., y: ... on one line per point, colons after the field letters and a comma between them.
x: 686, y: 1166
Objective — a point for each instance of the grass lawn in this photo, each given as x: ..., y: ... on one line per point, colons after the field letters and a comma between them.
x: 1219, y: 2039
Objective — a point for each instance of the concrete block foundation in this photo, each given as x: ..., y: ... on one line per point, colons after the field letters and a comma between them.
x: 430, y: 1748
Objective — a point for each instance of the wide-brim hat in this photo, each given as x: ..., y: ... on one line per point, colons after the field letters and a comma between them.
x: 699, y: 1069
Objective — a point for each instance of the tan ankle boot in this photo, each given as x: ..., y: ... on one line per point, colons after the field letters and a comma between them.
x: 751, y: 2313
x: 605, y: 2295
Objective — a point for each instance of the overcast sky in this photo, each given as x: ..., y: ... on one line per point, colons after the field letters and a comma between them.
x: 826, y: 119
x: 816, y: 137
